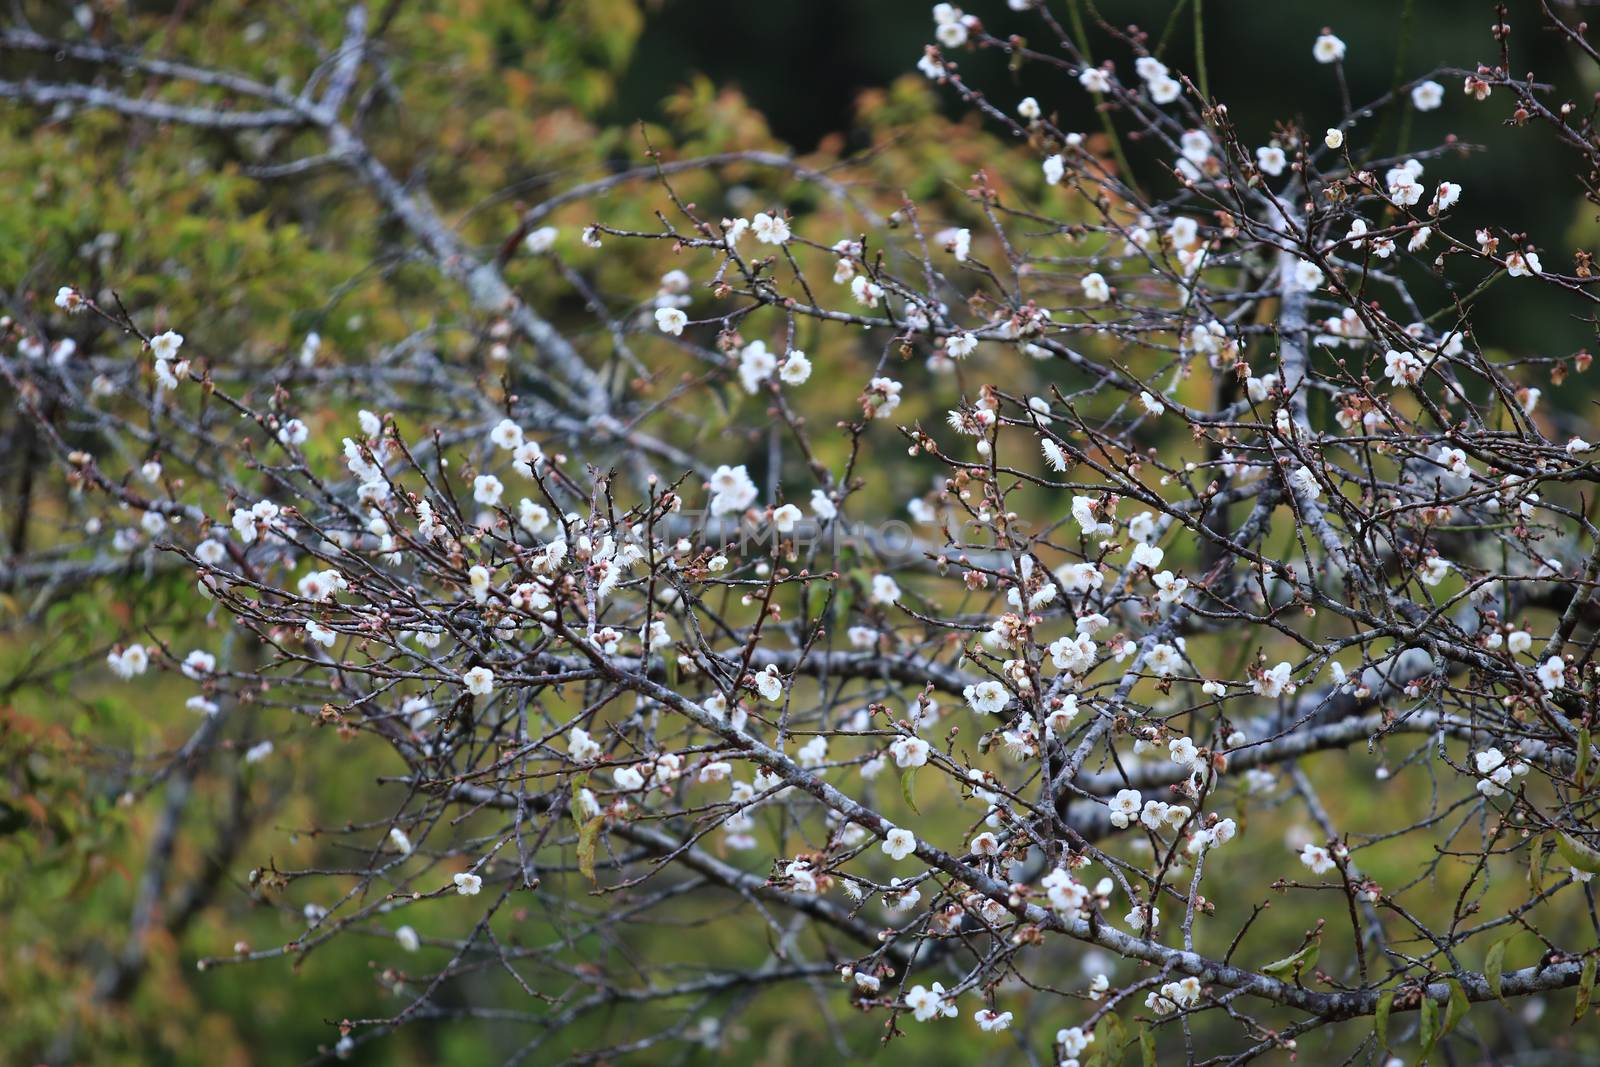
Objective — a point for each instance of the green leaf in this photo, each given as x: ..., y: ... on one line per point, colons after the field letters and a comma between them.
x: 1147, y: 1046
x: 1428, y: 1032
x: 1579, y: 855
x: 861, y: 577
x: 1109, y: 1041
x: 1585, y: 752
x: 906, y: 781
x: 1456, y: 1010
x: 1536, y: 866
x: 1585, y: 989
x: 1380, y: 1018
x: 1494, y: 965
x: 1296, y: 965
x: 588, y: 838
x: 575, y: 806
x: 1433, y: 1029
x: 844, y: 597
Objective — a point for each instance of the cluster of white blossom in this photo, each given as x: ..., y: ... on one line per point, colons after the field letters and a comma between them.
x: 1201, y: 491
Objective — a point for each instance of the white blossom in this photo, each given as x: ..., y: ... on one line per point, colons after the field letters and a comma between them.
x: 1552, y: 673
x: 770, y: 229
x: 1427, y: 95
x: 898, y: 843
x: 671, y: 320
x: 479, y: 681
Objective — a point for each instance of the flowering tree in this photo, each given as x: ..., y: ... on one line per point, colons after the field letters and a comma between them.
x: 1218, y: 507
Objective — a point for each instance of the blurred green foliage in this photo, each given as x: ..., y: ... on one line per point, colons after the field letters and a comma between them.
x: 496, y: 107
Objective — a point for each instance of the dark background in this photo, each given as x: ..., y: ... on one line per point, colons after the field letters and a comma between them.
x: 1259, y: 62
